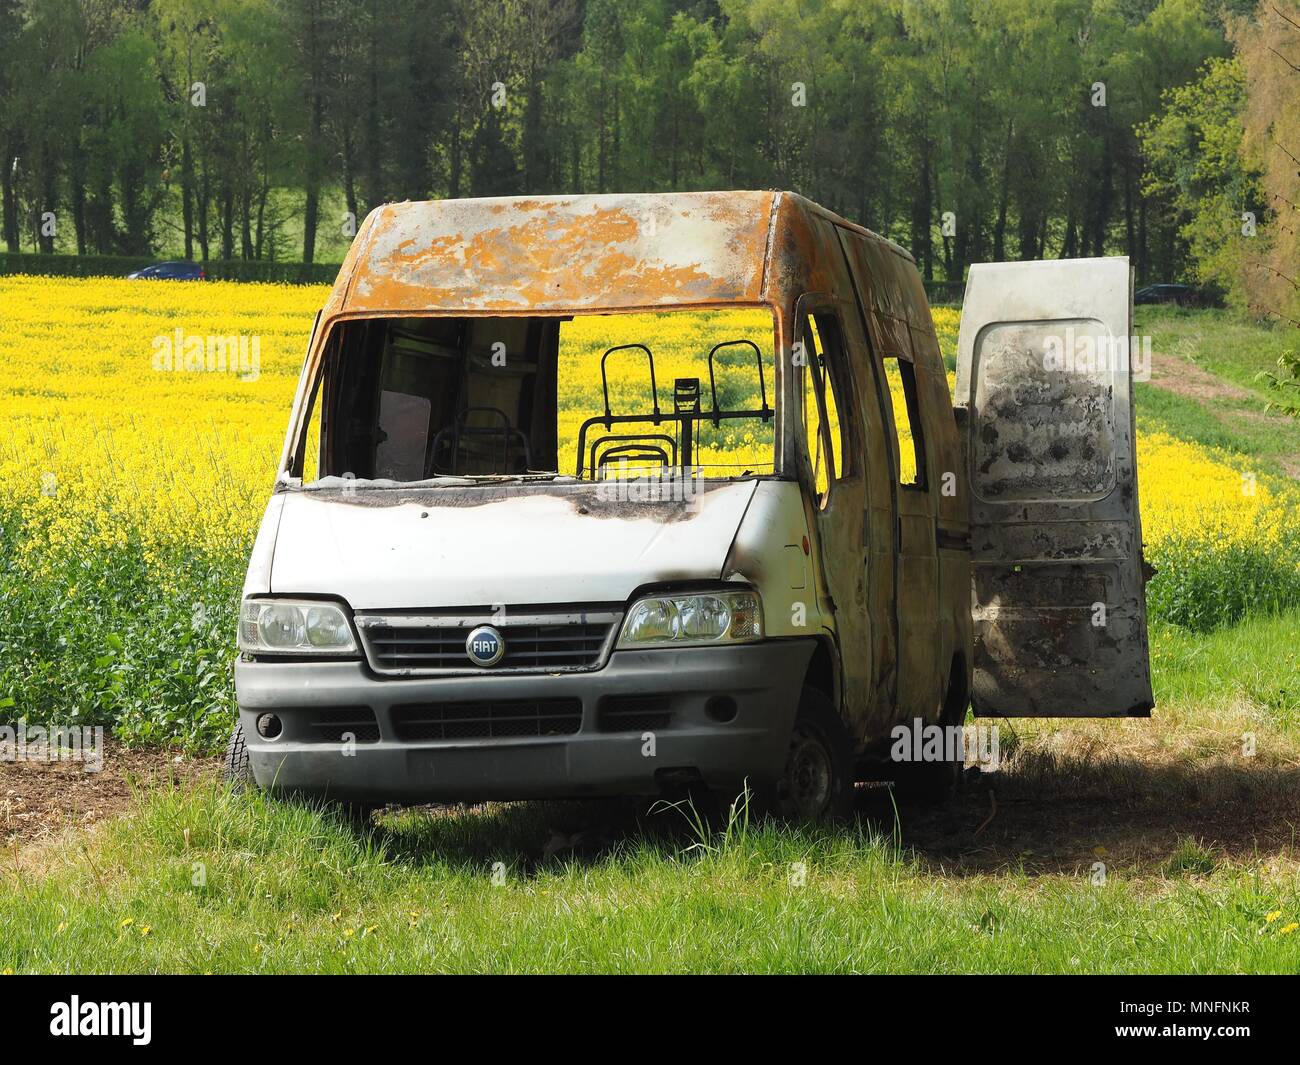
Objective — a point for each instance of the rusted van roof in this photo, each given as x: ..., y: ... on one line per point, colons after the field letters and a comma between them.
x: 564, y: 253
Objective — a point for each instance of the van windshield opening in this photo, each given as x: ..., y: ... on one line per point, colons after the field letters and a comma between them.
x: 591, y: 397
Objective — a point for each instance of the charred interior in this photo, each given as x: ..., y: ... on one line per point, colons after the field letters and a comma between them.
x: 413, y: 399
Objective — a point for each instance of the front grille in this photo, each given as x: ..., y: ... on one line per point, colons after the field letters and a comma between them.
x: 633, y: 713
x: 331, y: 726
x: 497, y: 720
x: 397, y: 643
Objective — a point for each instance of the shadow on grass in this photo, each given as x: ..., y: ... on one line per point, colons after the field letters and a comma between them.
x: 1047, y: 812
x: 1060, y: 812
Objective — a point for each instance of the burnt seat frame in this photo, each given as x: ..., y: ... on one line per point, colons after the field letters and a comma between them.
x: 686, y: 420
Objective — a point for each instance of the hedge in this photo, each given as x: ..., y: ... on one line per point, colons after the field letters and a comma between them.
x: 257, y: 270
x: 121, y: 265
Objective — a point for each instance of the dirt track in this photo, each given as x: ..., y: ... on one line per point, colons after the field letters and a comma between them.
x: 39, y: 799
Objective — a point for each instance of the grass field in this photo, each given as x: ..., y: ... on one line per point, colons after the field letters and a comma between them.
x: 128, y: 498
x: 203, y: 881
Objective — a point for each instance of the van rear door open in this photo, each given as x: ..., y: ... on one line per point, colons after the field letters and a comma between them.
x: 1044, y: 403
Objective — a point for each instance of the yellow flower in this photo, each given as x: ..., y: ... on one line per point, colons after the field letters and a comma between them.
x: 1288, y: 929
x: 1273, y: 916
x: 126, y: 922
x: 100, y: 441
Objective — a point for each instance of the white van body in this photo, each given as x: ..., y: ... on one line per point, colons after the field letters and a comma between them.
x: 438, y: 611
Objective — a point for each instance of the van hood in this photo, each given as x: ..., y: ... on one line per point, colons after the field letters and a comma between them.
x: 516, y: 544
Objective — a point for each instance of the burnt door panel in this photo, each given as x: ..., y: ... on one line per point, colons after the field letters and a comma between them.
x: 836, y: 494
x: 919, y: 674
x: 1044, y: 400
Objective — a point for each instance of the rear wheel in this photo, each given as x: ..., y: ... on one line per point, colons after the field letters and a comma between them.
x: 817, y: 782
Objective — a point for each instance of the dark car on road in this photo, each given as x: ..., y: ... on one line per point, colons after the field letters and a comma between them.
x: 178, y: 270
x: 1183, y: 295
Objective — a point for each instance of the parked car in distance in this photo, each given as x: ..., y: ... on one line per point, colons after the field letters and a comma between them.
x: 178, y: 270
x: 1183, y: 295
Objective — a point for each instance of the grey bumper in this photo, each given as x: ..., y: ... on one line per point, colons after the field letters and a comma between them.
x: 764, y: 680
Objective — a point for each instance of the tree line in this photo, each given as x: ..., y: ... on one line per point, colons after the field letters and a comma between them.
x: 967, y: 130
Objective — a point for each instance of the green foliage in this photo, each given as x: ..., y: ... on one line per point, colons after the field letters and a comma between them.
x: 1203, y: 585
x: 113, y: 638
x: 121, y: 265
x: 892, y: 112
x: 1194, y: 153
x: 1285, y: 384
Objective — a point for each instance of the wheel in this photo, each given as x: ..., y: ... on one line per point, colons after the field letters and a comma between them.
x: 236, y: 769
x: 817, y: 782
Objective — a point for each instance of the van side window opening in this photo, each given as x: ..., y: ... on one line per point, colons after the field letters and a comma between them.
x: 901, y: 376
x: 413, y: 399
x: 826, y: 436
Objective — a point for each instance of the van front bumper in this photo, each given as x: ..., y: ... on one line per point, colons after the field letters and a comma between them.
x: 764, y: 680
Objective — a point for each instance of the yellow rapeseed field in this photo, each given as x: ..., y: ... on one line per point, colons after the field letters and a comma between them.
x: 99, y: 437
x: 95, y: 441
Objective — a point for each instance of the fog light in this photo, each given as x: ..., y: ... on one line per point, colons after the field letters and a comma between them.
x: 269, y: 726
x: 722, y: 708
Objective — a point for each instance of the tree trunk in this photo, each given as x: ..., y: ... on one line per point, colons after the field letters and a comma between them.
x: 9, y: 195
x: 204, y: 199
x: 187, y: 196
x: 227, y: 223
x: 311, y: 208
x: 1130, y: 228
x: 457, y: 163
x: 246, y: 221
x: 1004, y: 195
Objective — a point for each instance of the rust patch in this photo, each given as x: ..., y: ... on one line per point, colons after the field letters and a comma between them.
x: 563, y: 253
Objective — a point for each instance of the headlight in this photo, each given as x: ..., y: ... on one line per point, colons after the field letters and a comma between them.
x: 706, y: 617
x: 292, y: 627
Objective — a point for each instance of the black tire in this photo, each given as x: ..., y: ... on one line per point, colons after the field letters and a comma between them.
x: 236, y: 770
x: 817, y: 783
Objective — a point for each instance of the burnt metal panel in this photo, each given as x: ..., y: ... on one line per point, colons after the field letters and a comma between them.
x: 1045, y: 402
x: 560, y: 253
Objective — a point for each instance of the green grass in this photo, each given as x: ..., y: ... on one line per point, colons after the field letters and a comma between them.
x: 1256, y: 662
x: 207, y: 881
x: 1235, y: 351
x: 1223, y: 342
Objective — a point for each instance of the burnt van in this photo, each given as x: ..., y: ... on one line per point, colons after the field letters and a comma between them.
x: 610, y: 495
